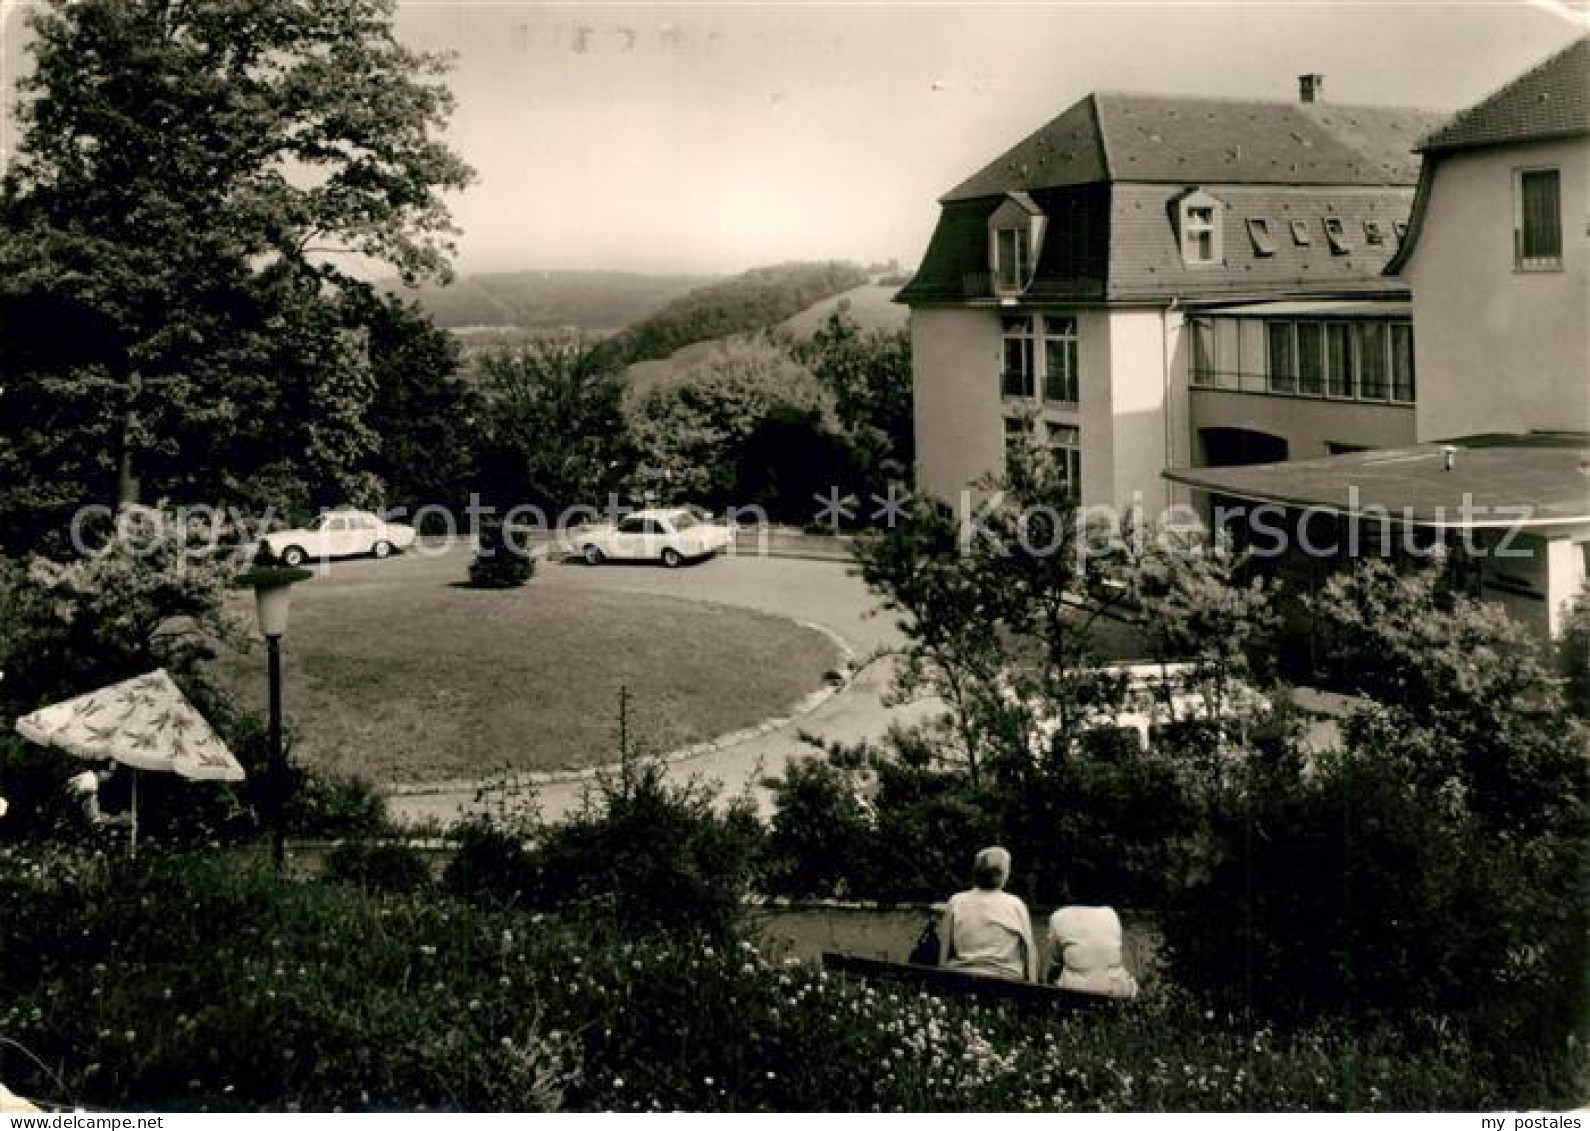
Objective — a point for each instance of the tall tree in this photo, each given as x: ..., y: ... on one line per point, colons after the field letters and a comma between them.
x: 188, y: 174
x: 555, y: 427
x: 869, y: 376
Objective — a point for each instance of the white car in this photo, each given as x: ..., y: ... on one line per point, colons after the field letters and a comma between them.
x: 669, y: 536
x: 338, y: 533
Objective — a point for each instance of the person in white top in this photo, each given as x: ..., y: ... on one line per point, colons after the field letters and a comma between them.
x: 986, y: 930
x: 1085, y: 952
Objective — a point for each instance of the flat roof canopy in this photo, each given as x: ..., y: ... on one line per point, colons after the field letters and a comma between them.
x: 1534, y: 481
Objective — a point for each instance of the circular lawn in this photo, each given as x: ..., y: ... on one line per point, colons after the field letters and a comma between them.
x: 395, y: 675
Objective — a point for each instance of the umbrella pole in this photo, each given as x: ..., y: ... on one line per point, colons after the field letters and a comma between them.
x: 132, y: 843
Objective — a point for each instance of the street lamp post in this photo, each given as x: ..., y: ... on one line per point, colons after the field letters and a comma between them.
x: 272, y: 596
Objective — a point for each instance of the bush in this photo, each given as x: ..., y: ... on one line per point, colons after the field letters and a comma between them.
x: 643, y: 853
x: 489, y: 863
x: 823, y: 840
x: 500, y: 563
x: 1365, y: 883
x: 382, y: 865
x: 148, y: 985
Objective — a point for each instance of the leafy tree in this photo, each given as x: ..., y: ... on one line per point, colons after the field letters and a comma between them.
x: 696, y: 437
x: 424, y: 416
x: 989, y: 608
x: 185, y: 175
x: 869, y: 377
x: 553, y: 421
x: 152, y: 595
x: 1461, y: 668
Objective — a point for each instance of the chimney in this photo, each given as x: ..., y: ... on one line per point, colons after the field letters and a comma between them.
x: 1310, y: 88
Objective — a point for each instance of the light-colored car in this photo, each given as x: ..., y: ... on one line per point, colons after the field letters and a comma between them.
x: 670, y: 536
x: 340, y: 533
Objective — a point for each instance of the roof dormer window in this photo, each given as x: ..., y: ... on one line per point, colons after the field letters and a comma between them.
x: 1010, y: 258
x: 1300, y: 233
x: 1259, y: 233
x: 1015, y: 235
x: 1336, y: 235
x: 1198, y: 223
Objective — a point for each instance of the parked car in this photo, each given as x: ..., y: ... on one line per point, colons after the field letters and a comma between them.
x: 338, y: 533
x: 669, y: 536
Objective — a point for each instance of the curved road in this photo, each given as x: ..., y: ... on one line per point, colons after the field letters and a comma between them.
x: 817, y: 591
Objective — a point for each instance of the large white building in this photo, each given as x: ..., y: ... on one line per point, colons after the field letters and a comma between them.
x: 1204, y: 300
x: 1499, y: 263
x: 1151, y: 281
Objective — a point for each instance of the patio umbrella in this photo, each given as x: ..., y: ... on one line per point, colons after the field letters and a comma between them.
x: 145, y: 723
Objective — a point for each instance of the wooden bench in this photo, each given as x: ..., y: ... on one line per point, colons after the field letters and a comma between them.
x: 938, y: 979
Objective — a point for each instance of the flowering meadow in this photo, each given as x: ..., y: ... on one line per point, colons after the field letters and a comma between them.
x: 199, y: 982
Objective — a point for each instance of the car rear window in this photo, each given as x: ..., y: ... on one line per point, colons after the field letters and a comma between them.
x: 684, y: 520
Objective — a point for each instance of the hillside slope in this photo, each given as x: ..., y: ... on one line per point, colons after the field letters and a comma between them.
x: 754, y: 300
x: 594, y: 301
x: 869, y: 305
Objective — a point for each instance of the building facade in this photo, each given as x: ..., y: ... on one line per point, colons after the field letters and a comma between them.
x: 1149, y: 282
x: 1496, y: 465
x: 1498, y: 260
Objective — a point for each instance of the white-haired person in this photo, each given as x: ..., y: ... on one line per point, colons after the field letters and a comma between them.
x: 986, y: 930
x: 1085, y: 952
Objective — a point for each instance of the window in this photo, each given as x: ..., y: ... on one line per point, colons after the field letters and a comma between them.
x: 1336, y: 236
x: 1311, y: 358
x: 1283, y: 358
x: 1010, y: 259
x: 1060, y: 360
x: 1371, y: 361
x: 1300, y: 233
x: 1338, y: 360
x: 1259, y: 233
x: 1538, y: 220
x: 1016, y: 380
x: 1201, y: 342
x: 1401, y: 228
x: 1198, y: 235
x: 1065, y: 451
x: 1373, y: 233
x: 1197, y: 217
x: 1402, y: 362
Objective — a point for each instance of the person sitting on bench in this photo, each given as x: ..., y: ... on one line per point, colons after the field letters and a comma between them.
x: 1085, y: 952
x: 986, y: 930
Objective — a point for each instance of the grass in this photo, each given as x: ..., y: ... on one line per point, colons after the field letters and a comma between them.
x: 395, y: 675
x: 188, y: 982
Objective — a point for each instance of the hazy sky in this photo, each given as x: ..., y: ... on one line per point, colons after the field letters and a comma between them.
x: 712, y: 137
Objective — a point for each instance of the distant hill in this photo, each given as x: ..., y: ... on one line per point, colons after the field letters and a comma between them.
x: 599, y: 302
x: 755, y: 300
x: 868, y: 305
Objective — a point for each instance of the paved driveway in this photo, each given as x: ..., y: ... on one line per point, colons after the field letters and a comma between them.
x: 823, y: 593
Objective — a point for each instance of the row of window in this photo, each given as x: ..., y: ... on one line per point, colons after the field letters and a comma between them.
x: 1537, y: 232
x: 1198, y: 225
x: 1062, y: 442
x: 1367, y: 361
x: 1054, y: 367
